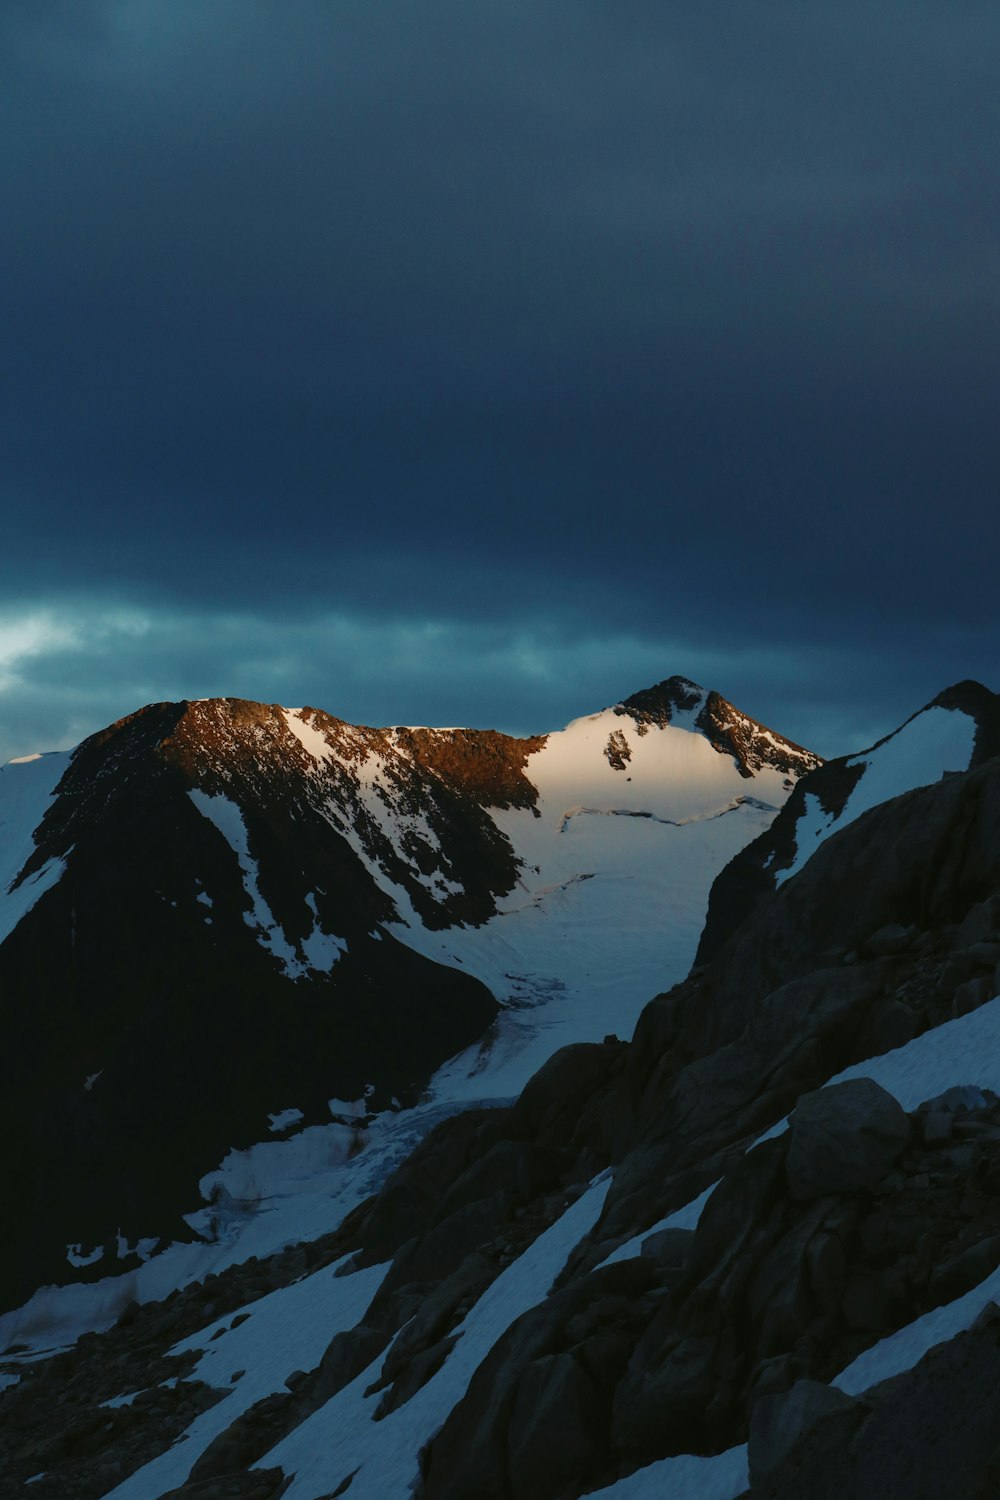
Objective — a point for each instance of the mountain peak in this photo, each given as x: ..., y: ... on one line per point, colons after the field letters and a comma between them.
x: 684, y: 704
x: 661, y: 703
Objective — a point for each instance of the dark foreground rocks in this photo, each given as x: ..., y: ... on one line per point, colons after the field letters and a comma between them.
x: 929, y: 1433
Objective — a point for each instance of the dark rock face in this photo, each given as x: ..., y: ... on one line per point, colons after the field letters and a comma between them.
x: 843, y: 1137
x: 780, y: 1421
x: 750, y: 878
x: 928, y: 1433
x: 536, y: 1419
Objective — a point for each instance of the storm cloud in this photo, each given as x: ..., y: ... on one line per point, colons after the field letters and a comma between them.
x: 459, y: 363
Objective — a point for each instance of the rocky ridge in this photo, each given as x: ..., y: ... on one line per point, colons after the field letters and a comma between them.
x: 759, y: 868
x: 228, y: 912
x: 667, y: 1331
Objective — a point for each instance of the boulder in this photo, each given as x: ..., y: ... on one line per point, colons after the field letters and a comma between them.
x: 980, y: 924
x: 779, y: 1421
x: 960, y: 1099
x: 936, y: 1127
x: 893, y: 938
x: 971, y: 995
x: 670, y: 1248
x: 843, y: 1137
x: 348, y: 1353
x: 557, y: 1431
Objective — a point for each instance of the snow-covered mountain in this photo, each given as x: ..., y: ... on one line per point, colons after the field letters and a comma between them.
x: 753, y: 1251
x: 233, y: 919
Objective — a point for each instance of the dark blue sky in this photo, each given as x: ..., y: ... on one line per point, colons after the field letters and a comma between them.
x: 482, y: 363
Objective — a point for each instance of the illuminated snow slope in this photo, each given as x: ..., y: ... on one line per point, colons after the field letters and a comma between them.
x: 611, y: 899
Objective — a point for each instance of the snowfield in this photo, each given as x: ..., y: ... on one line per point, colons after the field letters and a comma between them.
x: 612, y: 895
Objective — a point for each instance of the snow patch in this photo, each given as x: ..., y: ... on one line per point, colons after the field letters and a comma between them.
x: 287, y: 1330
x: 904, y: 1348
x: 143, y: 1247
x: 321, y: 950
x: 963, y: 1051
x: 312, y: 740
x: 342, y: 1438
x: 686, y: 1477
x: 76, y: 1256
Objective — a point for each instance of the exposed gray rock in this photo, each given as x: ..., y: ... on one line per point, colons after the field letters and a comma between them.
x: 672, y: 1248
x: 780, y: 1420
x: 347, y: 1354
x: 987, y: 954
x: 980, y: 924
x: 929, y: 1434
x: 491, y: 1435
x: 438, y: 1313
x: 967, y: 1269
x: 987, y: 1314
x: 894, y: 937
x: 890, y: 1026
x: 971, y: 995
x: 936, y: 1126
x: 556, y: 1426
x: 844, y: 1137
x: 960, y: 1099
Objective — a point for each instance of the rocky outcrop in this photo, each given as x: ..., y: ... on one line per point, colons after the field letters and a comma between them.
x: 843, y: 1137
x: 754, y: 874
x: 928, y: 1433
x: 727, y: 729
x: 787, y: 1418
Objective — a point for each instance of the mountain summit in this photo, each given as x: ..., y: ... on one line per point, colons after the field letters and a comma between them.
x: 679, y: 701
x: 224, y: 910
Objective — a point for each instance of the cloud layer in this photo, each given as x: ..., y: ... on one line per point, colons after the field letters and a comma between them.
x: 471, y: 348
